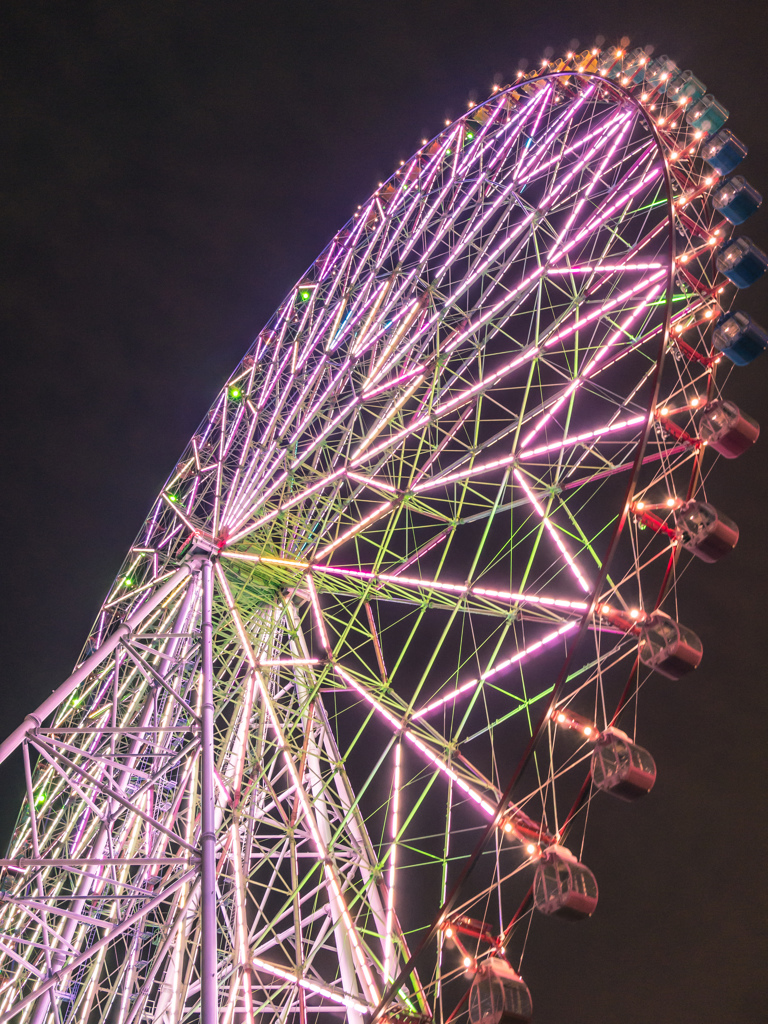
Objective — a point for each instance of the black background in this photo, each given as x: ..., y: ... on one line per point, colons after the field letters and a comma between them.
x: 169, y: 169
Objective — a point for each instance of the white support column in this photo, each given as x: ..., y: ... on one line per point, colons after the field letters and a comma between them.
x: 60, y: 942
x: 209, y: 943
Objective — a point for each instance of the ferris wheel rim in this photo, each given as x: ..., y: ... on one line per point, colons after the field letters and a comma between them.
x: 218, y: 545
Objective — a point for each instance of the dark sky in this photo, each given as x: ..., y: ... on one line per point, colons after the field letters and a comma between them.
x: 169, y: 169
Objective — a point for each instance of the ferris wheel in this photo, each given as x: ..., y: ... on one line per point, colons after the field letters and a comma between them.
x: 333, y: 740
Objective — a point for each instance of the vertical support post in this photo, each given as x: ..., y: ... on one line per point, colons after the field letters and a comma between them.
x: 208, y: 946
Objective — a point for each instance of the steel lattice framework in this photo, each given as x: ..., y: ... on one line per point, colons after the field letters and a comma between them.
x: 326, y: 680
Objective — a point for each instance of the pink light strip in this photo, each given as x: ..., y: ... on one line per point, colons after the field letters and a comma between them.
x: 473, y: 683
x: 546, y: 203
x: 529, y: 281
x: 594, y: 223
x: 611, y: 428
x: 543, y: 143
x: 242, y: 981
x: 656, y: 457
x: 609, y: 304
x: 597, y: 175
x: 462, y: 168
x: 371, y: 481
x: 271, y: 662
x: 460, y: 589
x: 424, y: 550
x: 604, y: 268
x: 508, y: 460
x: 288, y: 504
x: 399, y: 728
x: 315, y: 602
x: 316, y: 987
x: 396, y: 402
x: 440, y: 448
x: 378, y: 512
x: 393, y: 832
x: 371, y: 392
x: 446, y: 407
x: 554, y: 534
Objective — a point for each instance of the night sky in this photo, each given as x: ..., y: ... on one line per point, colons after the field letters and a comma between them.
x: 169, y: 170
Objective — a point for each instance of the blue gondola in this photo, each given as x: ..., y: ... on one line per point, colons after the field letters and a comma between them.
x: 739, y: 337
x: 635, y: 65
x: 723, y: 152
x: 741, y: 261
x: 736, y: 199
x: 660, y: 73
x: 707, y: 114
x: 685, y: 85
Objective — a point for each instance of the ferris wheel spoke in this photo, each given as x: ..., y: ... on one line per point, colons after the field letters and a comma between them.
x: 397, y: 722
x: 554, y: 533
x: 389, y: 586
x: 474, y: 685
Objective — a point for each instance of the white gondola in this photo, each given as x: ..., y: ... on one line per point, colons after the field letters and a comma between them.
x: 563, y: 887
x: 621, y: 767
x: 668, y: 648
x: 499, y: 995
x: 704, y: 531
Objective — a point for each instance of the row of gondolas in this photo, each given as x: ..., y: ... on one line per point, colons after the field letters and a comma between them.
x: 563, y: 887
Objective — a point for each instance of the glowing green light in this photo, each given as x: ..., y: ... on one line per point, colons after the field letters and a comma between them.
x: 173, y: 497
x: 40, y: 799
x: 470, y: 135
x: 235, y: 392
x: 127, y: 582
x: 305, y: 294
